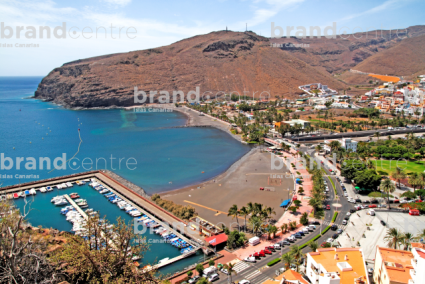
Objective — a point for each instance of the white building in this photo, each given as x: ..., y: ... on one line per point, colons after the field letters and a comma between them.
x: 320, y: 107
x: 346, y: 143
x: 304, y: 124
x: 418, y: 263
x: 336, y: 266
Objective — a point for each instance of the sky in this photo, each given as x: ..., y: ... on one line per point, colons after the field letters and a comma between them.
x: 81, y: 29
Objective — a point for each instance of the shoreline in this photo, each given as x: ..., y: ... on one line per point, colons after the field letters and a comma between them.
x: 216, y: 179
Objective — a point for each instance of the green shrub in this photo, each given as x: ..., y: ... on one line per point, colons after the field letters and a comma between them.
x: 334, y: 217
x: 273, y: 262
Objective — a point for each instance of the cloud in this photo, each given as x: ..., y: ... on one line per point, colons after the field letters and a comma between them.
x: 121, y: 3
x: 390, y: 4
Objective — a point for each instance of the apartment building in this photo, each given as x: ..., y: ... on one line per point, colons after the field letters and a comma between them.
x: 418, y: 263
x: 393, y: 266
x: 346, y: 143
x: 336, y: 266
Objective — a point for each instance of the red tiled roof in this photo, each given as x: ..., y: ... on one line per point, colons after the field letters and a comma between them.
x: 217, y: 239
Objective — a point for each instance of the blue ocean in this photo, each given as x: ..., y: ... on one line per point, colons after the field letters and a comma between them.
x: 142, y: 147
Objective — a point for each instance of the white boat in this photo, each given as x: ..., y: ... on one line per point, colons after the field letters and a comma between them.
x: 164, y: 260
x: 32, y: 191
x: 56, y: 198
x: 64, y: 185
x: 69, y: 184
x: 43, y: 189
x: 49, y: 188
x: 135, y: 213
x: 61, y: 202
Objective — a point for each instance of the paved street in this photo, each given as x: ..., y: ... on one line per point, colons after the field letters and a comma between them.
x: 259, y: 272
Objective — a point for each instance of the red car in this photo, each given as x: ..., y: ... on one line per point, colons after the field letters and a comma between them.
x: 328, y: 207
x: 267, y: 251
x: 372, y: 206
x: 270, y: 248
x: 261, y: 188
x: 396, y: 201
x: 323, y: 244
x: 259, y: 254
x: 418, y: 201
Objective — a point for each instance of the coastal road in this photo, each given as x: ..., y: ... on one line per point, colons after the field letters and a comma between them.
x: 259, y: 272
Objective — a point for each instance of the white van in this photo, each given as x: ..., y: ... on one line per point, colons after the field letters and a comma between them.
x: 371, y: 212
x: 254, y: 241
x: 209, y: 271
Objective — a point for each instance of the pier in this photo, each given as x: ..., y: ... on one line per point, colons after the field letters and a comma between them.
x: 76, y: 206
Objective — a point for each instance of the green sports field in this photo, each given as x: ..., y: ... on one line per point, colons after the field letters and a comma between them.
x: 390, y: 165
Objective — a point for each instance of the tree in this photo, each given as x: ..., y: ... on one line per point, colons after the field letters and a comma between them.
x: 393, y: 237
x: 301, y: 191
x: 334, y: 145
x: 313, y: 246
x: 297, y: 203
x: 406, y: 240
x: 297, y: 253
x: 230, y: 269
x: 377, y: 134
x: 293, y: 209
x: 104, y: 255
x: 368, y: 179
x: 420, y: 235
x: 233, y: 211
x: 244, y: 212
x: 398, y: 175
x: 200, y: 269
x: 414, y: 180
x: 350, y: 168
x: 284, y: 228
x: 190, y: 273
x: 287, y: 260
x: 273, y: 230
x: 388, y: 187
x: 202, y: 280
x: 304, y: 219
x: 211, y: 262
x: 22, y: 258
x: 318, y: 148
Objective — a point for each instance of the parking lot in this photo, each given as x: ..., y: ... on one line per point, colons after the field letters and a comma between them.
x: 357, y: 230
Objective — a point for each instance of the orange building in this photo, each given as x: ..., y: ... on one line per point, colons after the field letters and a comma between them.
x: 392, y: 266
x: 288, y: 277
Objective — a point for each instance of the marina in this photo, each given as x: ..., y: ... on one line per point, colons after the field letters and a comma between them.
x: 100, y: 193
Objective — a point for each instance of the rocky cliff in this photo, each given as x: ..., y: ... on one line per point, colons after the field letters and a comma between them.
x: 218, y: 61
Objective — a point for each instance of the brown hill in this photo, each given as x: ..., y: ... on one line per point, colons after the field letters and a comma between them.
x: 218, y: 61
x: 404, y: 59
x: 339, y: 54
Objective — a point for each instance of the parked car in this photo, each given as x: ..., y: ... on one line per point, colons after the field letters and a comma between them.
x: 339, y: 231
x: 286, y: 243
x: 328, y: 207
x: 345, y: 194
x: 267, y: 251
x: 224, y: 270
x: 298, y: 236
x: 305, y: 230
x: 334, y: 236
x: 358, y: 200
x: 383, y: 223
x: 301, y: 233
x: 250, y: 258
x: 315, y: 223
x: 334, y: 227
x: 244, y: 282
x: 329, y: 240
x: 311, y: 228
x: 344, y: 222
x: 213, y: 277
x: 348, y: 213
x: 194, y: 279
x: 347, y: 218
x: 276, y: 246
x: 270, y: 248
x: 372, y: 206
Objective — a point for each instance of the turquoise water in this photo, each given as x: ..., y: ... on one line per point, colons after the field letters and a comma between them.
x: 43, y: 212
x: 167, y: 158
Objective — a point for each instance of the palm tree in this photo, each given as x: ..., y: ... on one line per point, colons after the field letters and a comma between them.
x: 377, y: 135
x: 421, y: 182
x: 255, y: 223
x: 297, y: 253
x: 313, y: 246
x: 393, y: 237
x: 407, y: 240
x: 414, y: 180
x: 244, y: 212
x: 398, y: 175
x: 420, y: 235
x: 287, y: 260
x: 273, y: 230
x: 284, y: 228
x: 230, y: 269
x: 334, y: 145
x: 388, y: 187
x: 318, y: 148
x: 234, y: 212
x: 269, y: 211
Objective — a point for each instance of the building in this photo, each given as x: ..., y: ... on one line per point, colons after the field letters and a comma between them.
x: 320, y: 107
x: 393, y: 266
x: 304, y: 124
x: 288, y: 277
x: 346, y: 143
x: 336, y: 266
x: 418, y: 263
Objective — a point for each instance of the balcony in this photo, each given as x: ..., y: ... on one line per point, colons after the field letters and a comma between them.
x: 411, y: 281
x: 413, y: 273
x: 414, y: 262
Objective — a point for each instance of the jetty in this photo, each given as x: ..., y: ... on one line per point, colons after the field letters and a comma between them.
x: 78, y: 208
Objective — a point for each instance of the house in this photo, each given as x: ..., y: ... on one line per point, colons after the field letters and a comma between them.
x: 346, y: 143
x: 320, y: 107
x: 336, y: 266
x: 304, y: 124
x: 393, y: 266
x: 288, y: 277
x: 418, y: 263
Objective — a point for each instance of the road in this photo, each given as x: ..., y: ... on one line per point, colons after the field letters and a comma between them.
x: 259, y: 272
x: 383, y: 132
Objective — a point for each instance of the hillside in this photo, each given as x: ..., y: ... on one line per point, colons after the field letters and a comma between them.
x: 404, y: 59
x: 340, y: 54
x: 218, y: 61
